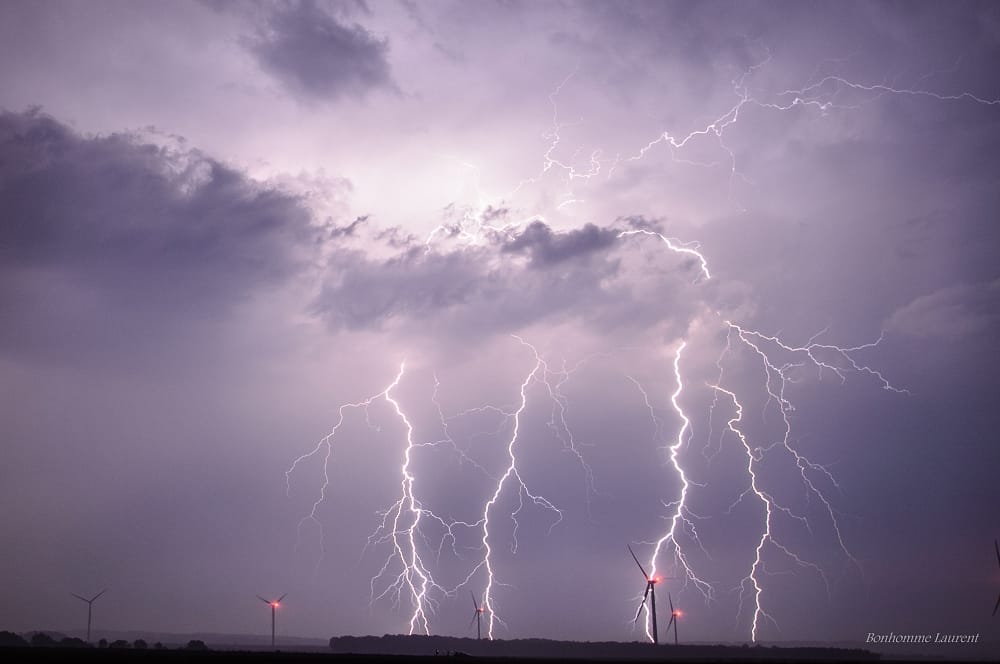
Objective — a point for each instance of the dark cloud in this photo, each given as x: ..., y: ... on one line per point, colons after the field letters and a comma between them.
x: 362, y: 292
x: 350, y: 229
x: 546, y: 247
x: 101, y: 227
x: 318, y: 57
x: 952, y: 314
x: 508, y: 282
x: 469, y: 287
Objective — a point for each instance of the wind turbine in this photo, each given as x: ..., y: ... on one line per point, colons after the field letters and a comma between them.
x: 650, y: 592
x: 274, y: 605
x: 477, y: 616
x: 996, y: 545
x: 90, y: 607
x: 674, y: 614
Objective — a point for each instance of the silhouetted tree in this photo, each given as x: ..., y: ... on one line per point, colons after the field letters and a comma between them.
x: 11, y: 640
x: 157, y: 646
x: 196, y: 644
x: 103, y: 643
x: 42, y: 640
x: 73, y: 642
x: 120, y: 644
x: 140, y: 644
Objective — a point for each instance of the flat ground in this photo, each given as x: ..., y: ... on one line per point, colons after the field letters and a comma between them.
x: 667, y: 654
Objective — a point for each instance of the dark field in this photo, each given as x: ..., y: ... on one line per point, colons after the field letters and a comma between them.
x: 535, y: 651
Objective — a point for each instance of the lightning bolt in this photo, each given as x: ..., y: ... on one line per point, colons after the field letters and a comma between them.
x: 550, y: 161
x: 676, y: 246
x: 777, y: 377
x: 818, y: 94
x: 681, y: 518
x: 512, y: 476
x: 325, y: 446
x: 512, y: 481
x: 400, y: 522
x: 757, y: 566
x: 558, y: 423
x: 414, y: 575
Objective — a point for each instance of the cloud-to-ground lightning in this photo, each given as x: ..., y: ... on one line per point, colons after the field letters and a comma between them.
x: 681, y: 518
x: 766, y: 534
x: 513, y: 475
x: 408, y: 567
x: 511, y: 481
x: 775, y: 384
x: 779, y: 362
x: 405, y: 520
x: 400, y: 522
x: 823, y: 357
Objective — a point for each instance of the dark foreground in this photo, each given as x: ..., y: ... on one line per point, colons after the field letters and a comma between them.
x: 546, y: 649
x: 574, y: 652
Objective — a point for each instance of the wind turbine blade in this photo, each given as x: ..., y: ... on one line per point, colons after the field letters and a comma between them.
x: 266, y: 601
x: 83, y: 599
x: 996, y: 545
x: 646, y: 576
x: 673, y: 619
x: 671, y: 605
x: 282, y: 597
x: 474, y: 616
x: 94, y: 598
x: 638, y: 611
x: 997, y: 606
x: 474, y: 602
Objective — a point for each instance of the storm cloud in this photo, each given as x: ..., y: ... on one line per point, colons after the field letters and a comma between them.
x: 547, y: 248
x: 102, y: 230
x: 316, y: 56
x: 512, y: 280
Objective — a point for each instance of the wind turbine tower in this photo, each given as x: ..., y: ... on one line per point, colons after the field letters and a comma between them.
x: 90, y: 607
x: 650, y: 593
x: 477, y: 616
x: 274, y: 604
x: 674, y: 614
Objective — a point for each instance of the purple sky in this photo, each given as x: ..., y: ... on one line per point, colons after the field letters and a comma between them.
x: 220, y: 221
